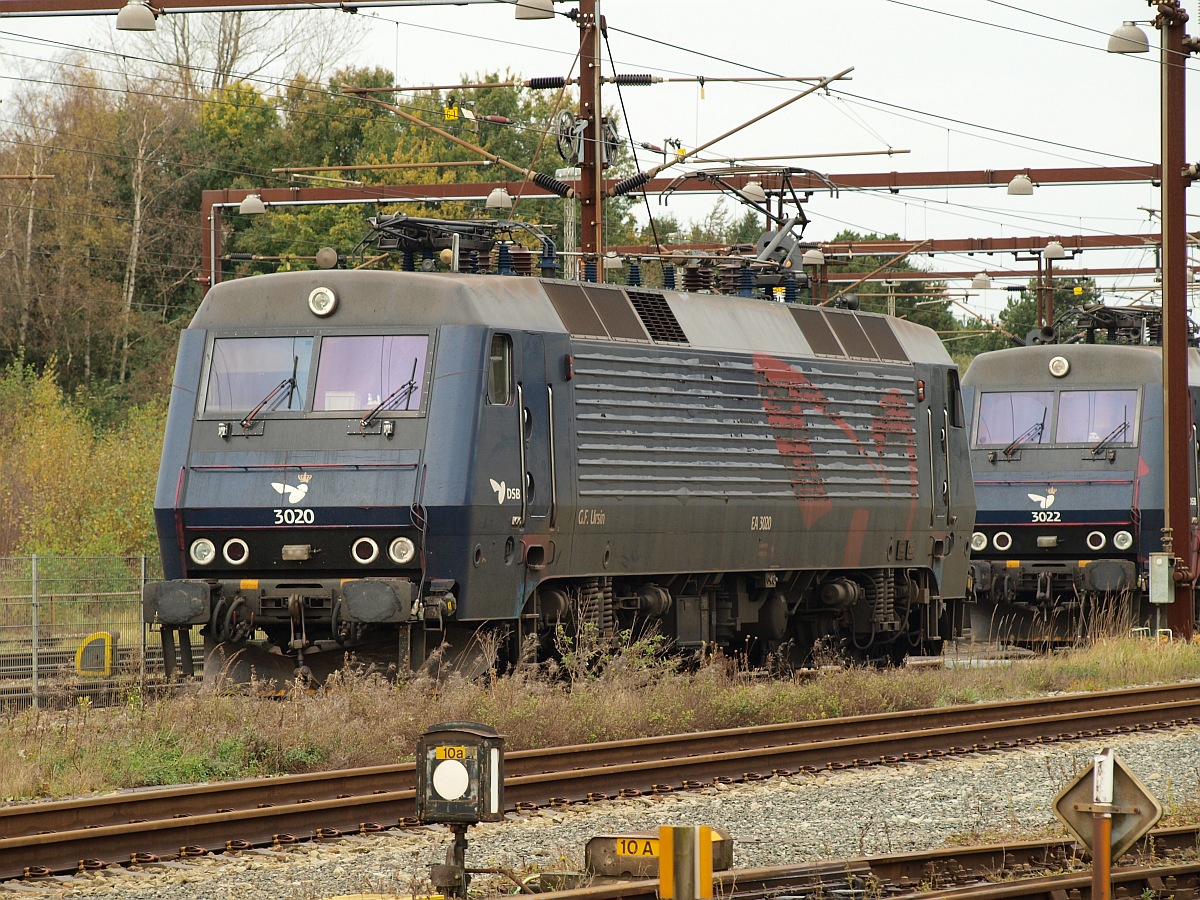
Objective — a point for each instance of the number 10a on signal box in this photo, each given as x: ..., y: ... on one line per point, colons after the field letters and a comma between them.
x: 639, y: 854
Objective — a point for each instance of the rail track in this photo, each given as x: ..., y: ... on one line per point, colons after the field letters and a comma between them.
x: 144, y: 826
x: 1032, y: 870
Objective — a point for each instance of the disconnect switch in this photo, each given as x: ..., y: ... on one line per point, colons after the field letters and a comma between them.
x: 1162, y: 577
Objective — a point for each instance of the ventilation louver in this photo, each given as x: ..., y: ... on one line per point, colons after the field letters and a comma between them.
x: 656, y: 315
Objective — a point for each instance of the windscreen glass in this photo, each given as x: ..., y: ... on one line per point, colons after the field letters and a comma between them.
x: 362, y: 372
x: 1090, y: 416
x: 247, y: 372
x: 1005, y: 416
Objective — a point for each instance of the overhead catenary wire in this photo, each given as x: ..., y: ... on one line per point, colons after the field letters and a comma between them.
x: 711, y: 56
x: 627, y: 33
x: 545, y: 181
x: 629, y: 131
x: 627, y: 80
x: 642, y: 177
x: 117, y: 154
x: 785, y: 156
x: 895, y: 259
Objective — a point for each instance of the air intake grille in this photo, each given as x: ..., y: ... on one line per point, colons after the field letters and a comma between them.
x: 656, y: 315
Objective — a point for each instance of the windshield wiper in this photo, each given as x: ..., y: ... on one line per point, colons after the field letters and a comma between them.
x: 401, y: 393
x: 392, y: 400
x: 1034, y: 430
x: 1109, y: 438
x: 275, y: 392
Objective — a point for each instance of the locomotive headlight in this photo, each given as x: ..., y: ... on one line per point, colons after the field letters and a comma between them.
x: 1122, y: 540
x: 236, y: 551
x: 1096, y: 540
x: 322, y: 301
x: 402, y: 551
x: 978, y: 541
x: 1059, y: 366
x: 365, y: 551
x: 1002, y: 540
x: 202, y: 552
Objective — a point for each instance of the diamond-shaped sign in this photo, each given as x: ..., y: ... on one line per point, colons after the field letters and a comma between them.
x: 1134, y: 809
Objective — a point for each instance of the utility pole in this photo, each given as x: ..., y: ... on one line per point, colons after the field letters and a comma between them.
x: 1176, y: 176
x: 591, y: 166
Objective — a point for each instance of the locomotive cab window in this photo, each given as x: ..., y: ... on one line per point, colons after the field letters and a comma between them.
x: 1005, y: 416
x: 500, y: 370
x: 1086, y: 417
x: 375, y: 371
x: 245, y: 373
x: 954, y: 400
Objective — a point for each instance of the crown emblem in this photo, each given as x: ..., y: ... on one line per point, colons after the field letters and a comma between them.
x: 304, y: 478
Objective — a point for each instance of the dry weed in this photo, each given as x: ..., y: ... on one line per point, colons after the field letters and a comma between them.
x: 362, y: 717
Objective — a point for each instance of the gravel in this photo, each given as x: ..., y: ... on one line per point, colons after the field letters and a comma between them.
x: 782, y: 820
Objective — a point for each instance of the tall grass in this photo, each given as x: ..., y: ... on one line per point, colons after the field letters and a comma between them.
x: 361, y: 718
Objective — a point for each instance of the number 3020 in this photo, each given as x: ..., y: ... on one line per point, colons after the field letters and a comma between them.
x: 294, y: 517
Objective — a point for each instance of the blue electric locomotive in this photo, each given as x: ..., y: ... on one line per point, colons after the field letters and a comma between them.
x: 1067, y: 450
x: 393, y: 462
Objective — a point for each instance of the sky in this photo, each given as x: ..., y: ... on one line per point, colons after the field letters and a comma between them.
x: 942, y: 84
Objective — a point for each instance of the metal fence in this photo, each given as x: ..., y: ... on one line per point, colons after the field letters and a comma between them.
x: 71, y: 627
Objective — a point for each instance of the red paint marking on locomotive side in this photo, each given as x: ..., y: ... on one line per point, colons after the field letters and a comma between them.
x: 789, y: 398
x: 896, y: 421
x: 855, y: 538
x: 1143, y: 470
x: 785, y: 395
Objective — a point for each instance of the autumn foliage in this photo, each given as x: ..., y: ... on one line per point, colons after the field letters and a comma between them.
x: 68, y: 485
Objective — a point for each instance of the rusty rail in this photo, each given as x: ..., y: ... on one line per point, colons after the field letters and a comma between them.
x: 55, y: 837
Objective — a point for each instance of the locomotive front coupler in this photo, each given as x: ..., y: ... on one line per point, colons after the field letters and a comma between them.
x: 295, y: 605
x: 438, y: 604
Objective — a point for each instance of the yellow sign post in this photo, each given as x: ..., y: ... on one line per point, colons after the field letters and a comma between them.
x: 685, y: 869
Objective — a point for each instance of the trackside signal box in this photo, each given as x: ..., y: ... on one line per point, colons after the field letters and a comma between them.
x: 460, y: 774
x: 636, y: 854
x: 1162, y: 578
x: 95, y: 654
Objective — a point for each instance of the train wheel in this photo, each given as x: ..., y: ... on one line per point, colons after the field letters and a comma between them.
x: 933, y: 647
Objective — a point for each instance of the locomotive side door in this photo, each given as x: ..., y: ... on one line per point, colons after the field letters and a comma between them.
x: 941, y: 412
x: 534, y: 403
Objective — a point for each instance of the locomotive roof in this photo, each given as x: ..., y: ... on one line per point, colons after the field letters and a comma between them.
x: 1091, y: 365
x: 378, y: 299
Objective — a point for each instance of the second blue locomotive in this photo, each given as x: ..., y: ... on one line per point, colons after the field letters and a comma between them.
x: 1067, y: 450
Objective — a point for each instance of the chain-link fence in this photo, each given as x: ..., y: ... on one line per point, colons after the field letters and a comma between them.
x: 71, y: 627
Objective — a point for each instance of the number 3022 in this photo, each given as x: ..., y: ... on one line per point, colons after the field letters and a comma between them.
x: 294, y: 517
x: 1047, y: 515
